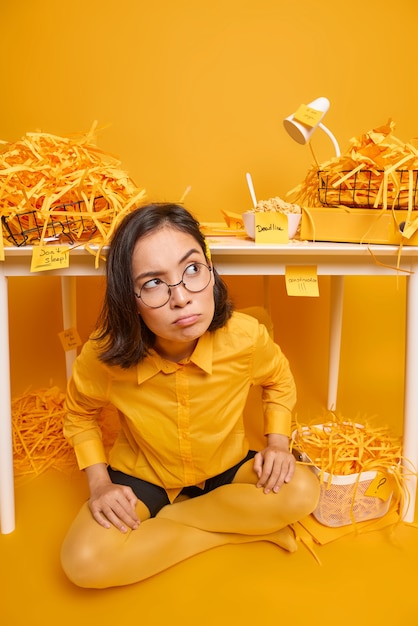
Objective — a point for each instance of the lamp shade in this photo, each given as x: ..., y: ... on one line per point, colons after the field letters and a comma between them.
x: 302, y: 132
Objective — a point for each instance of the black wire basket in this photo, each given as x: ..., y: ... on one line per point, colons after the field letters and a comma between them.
x: 74, y: 223
x: 363, y: 189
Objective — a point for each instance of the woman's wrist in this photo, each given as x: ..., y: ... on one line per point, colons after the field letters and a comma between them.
x: 97, y: 474
x: 278, y: 440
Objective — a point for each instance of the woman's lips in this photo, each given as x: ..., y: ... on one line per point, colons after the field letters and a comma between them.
x: 186, y: 320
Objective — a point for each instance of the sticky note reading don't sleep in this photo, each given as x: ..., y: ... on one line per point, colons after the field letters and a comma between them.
x: 49, y: 258
x: 302, y: 280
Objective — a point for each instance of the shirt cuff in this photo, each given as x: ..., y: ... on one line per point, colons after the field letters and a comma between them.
x: 89, y: 453
x: 279, y: 422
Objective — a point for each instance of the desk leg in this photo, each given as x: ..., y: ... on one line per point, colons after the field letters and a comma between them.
x: 266, y: 294
x: 336, y: 321
x: 410, y: 433
x: 69, y: 315
x: 7, y: 502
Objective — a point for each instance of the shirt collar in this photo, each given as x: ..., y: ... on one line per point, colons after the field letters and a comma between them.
x: 203, y: 353
x: 154, y: 363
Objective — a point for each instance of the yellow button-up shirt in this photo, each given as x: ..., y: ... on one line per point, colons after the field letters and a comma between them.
x: 181, y: 423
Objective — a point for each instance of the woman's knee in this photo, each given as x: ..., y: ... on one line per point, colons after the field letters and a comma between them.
x: 305, y: 489
x: 75, y: 568
x: 85, y: 552
x: 81, y: 562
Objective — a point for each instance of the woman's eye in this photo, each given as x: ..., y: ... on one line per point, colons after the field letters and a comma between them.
x: 152, y: 284
x: 192, y: 269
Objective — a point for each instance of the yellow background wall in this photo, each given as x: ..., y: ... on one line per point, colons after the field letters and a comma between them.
x: 193, y: 92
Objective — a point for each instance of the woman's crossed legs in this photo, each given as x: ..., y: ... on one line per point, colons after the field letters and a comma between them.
x: 239, y: 512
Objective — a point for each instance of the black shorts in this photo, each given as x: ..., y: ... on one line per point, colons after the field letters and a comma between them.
x: 155, y: 497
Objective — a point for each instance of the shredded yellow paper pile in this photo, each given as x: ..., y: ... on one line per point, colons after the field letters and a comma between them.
x: 41, y: 173
x: 38, y: 441
x: 343, y: 447
x: 378, y: 171
x: 37, y: 427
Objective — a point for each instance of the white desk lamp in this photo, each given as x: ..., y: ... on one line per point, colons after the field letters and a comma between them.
x: 303, y: 123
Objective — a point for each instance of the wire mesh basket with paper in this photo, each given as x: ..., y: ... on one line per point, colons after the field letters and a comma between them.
x: 62, y: 189
x: 358, y: 466
x: 368, y: 189
x: 376, y: 171
x: 69, y: 222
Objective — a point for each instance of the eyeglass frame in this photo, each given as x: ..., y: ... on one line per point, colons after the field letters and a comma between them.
x: 181, y: 282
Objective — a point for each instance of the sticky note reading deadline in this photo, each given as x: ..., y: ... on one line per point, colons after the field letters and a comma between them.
x: 302, y: 280
x: 271, y: 227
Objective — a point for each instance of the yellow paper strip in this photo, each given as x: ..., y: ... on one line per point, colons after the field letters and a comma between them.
x: 1, y: 243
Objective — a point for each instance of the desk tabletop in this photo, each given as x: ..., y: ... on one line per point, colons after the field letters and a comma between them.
x: 243, y: 245
x: 242, y: 256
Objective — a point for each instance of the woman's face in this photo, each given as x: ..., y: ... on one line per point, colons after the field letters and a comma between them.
x: 164, y: 255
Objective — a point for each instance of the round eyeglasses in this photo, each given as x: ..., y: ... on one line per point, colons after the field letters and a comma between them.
x: 155, y: 293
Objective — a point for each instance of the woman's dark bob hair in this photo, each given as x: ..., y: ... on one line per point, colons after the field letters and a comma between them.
x: 123, y: 337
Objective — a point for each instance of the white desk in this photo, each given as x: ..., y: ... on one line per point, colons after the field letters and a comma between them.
x: 234, y: 257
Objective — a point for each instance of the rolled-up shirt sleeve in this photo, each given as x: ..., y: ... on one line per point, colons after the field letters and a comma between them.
x: 86, y: 397
x: 272, y: 372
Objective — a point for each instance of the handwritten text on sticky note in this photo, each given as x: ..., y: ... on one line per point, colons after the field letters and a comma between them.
x: 302, y: 280
x: 70, y: 339
x: 271, y: 227
x: 308, y: 116
x: 381, y: 487
x: 49, y: 258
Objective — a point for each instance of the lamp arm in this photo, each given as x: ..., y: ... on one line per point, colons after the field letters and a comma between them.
x: 331, y: 136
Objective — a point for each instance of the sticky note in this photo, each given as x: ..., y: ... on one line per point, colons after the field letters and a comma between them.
x: 308, y: 116
x: 271, y: 227
x: 302, y: 280
x: 49, y: 258
x: 70, y: 339
x: 380, y: 487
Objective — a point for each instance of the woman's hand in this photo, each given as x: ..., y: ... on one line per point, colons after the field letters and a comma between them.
x: 274, y: 465
x: 111, y: 504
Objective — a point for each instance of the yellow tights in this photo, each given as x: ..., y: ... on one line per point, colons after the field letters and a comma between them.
x: 93, y: 556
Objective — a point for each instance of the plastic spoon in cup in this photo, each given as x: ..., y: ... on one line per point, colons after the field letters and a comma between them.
x: 251, y: 188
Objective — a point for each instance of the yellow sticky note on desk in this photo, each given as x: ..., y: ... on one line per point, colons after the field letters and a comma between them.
x: 271, y: 227
x: 308, y: 116
x: 49, y: 258
x: 302, y: 280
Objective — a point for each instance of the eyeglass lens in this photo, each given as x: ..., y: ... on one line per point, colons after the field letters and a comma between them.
x: 155, y: 293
